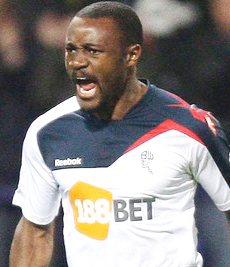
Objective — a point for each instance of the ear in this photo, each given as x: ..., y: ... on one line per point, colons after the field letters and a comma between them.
x: 133, y: 55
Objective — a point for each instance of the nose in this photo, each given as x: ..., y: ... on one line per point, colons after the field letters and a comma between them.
x: 78, y: 60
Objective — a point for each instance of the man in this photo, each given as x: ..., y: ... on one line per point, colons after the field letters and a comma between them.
x: 125, y: 163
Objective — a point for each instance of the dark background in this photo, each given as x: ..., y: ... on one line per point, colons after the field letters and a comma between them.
x: 187, y: 54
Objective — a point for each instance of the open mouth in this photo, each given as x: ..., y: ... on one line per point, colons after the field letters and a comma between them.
x: 86, y: 87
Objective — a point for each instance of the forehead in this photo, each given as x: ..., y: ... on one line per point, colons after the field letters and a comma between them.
x: 93, y: 30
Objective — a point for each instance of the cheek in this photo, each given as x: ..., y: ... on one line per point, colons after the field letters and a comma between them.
x: 111, y: 63
x: 110, y: 69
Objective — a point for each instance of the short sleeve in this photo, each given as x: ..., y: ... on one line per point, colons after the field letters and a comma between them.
x: 206, y: 171
x: 37, y: 193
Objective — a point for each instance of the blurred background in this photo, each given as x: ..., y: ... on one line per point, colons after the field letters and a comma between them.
x: 186, y: 51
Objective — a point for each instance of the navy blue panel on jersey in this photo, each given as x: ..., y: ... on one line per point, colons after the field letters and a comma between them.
x: 96, y: 143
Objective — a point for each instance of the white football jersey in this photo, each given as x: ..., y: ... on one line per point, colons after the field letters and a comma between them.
x: 127, y: 186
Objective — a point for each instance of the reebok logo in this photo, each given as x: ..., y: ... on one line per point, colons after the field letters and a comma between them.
x: 67, y: 162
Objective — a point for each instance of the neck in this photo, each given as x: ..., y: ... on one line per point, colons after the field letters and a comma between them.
x: 134, y: 92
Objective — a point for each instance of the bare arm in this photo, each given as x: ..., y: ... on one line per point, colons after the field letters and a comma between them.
x: 32, y: 245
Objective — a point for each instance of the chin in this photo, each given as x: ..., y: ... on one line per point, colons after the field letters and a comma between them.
x: 95, y: 107
x: 88, y: 106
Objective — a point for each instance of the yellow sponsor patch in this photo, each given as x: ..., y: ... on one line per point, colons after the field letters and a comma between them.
x: 92, y: 208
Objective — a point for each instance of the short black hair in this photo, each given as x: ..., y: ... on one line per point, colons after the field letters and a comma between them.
x: 125, y: 17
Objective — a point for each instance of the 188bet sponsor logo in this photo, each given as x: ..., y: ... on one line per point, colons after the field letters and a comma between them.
x: 93, y: 208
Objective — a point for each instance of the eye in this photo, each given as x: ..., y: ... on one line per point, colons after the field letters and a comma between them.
x: 70, y: 48
x: 92, y: 51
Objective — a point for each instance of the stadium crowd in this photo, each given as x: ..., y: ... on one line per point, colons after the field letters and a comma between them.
x: 187, y: 48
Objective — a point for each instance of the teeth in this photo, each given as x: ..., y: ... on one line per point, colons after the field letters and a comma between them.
x: 86, y: 91
x: 80, y: 80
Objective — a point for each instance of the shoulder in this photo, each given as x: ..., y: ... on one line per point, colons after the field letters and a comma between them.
x: 197, y: 123
x: 65, y: 107
x: 186, y: 117
x: 175, y: 108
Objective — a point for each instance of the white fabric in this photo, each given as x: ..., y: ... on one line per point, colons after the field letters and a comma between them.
x: 156, y: 182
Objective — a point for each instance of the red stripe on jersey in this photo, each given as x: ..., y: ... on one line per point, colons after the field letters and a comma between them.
x: 192, y: 108
x: 165, y: 126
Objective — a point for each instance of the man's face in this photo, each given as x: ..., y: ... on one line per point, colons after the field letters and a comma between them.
x: 96, y: 62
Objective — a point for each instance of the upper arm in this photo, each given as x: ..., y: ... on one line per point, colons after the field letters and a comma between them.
x: 207, y: 173
x: 38, y: 193
x: 210, y: 162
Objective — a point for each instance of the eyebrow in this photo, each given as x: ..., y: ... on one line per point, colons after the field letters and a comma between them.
x: 71, y: 44
x: 97, y: 47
